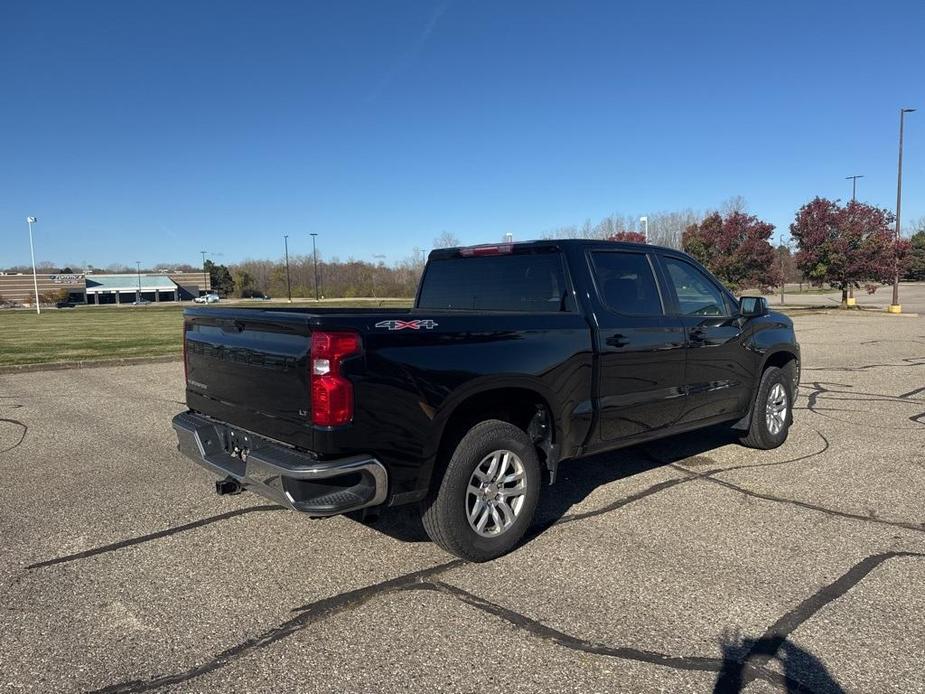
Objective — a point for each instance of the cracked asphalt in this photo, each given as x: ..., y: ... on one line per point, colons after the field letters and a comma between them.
x: 690, y: 564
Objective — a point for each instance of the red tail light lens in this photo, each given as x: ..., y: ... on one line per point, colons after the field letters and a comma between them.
x: 332, y: 393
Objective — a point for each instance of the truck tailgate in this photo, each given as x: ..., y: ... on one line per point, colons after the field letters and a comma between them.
x: 250, y: 368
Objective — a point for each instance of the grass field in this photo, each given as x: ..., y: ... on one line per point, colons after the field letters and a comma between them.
x: 106, y: 332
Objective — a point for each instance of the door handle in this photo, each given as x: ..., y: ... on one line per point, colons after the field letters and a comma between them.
x: 697, y: 334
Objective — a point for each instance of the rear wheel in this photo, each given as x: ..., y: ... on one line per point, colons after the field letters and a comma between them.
x: 488, y: 494
x: 771, y: 413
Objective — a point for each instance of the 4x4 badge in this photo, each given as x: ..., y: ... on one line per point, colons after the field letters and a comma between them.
x: 407, y: 324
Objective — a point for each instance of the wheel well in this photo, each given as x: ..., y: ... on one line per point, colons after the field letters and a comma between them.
x: 788, y: 362
x: 524, y: 408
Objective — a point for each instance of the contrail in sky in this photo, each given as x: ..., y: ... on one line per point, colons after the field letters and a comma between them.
x: 408, y: 56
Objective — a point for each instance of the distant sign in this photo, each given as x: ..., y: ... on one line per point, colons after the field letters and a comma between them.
x: 66, y: 279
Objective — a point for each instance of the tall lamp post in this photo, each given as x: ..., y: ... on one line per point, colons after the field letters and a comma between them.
x: 782, y: 250
x: 854, y: 185
x: 288, y: 280
x: 204, y: 273
x: 315, y: 256
x: 895, y: 306
x: 645, y: 222
x: 35, y: 281
x: 138, y: 269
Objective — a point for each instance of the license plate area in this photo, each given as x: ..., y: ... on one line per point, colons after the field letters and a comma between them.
x: 238, y: 443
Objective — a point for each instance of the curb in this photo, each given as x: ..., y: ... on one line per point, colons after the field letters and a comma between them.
x: 854, y: 310
x: 88, y: 364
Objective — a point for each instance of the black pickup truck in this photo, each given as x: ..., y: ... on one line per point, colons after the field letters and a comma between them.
x: 514, y: 358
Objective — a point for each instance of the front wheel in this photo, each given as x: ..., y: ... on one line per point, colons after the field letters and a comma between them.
x: 771, y: 413
x: 488, y: 494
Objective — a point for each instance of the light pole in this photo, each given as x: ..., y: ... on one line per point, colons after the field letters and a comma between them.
x: 783, y: 278
x: 288, y: 280
x: 895, y: 307
x: 645, y: 222
x: 854, y: 185
x: 35, y: 281
x: 204, y: 273
x: 782, y: 250
x: 138, y: 269
x: 315, y: 256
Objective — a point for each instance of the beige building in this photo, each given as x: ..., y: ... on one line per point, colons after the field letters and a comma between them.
x: 18, y: 289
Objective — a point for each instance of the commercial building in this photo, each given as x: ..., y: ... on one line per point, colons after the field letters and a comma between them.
x: 18, y: 289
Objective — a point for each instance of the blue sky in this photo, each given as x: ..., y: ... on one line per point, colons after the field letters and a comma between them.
x: 150, y: 131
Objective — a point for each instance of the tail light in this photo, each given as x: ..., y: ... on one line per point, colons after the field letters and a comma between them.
x: 332, y: 393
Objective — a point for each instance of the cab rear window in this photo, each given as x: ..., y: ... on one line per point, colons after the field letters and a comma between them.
x: 523, y: 282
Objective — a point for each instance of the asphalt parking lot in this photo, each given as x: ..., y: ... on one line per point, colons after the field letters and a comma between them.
x: 691, y: 564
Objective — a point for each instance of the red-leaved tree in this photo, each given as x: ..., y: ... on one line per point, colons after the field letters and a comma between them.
x: 736, y: 248
x: 846, y: 245
x: 630, y: 236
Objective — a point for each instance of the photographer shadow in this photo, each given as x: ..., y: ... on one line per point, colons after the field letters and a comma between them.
x: 802, y: 671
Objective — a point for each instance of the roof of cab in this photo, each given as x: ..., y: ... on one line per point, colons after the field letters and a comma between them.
x: 547, y: 243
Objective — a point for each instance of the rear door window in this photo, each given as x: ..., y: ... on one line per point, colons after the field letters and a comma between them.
x: 523, y: 282
x: 626, y: 283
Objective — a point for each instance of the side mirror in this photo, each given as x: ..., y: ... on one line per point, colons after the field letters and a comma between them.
x: 752, y: 306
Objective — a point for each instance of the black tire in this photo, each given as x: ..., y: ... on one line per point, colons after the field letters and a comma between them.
x: 759, y: 434
x: 445, y: 512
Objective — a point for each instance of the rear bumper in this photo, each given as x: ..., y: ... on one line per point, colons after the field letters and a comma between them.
x: 290, y: 478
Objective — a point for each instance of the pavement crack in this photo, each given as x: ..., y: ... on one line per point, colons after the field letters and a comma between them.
x: 765, y: 648
x: 819, y: 388
x: 539, y: 528
x: 23, y: 430
x: 711, y: 476
x: 708, y: 477
x: 789, y: 622
x: 907, y: 362
x: 912, y: 392
x: 306, y: 616
x: 122, y: 544
x: 806, y: 456
x: 560, y: 638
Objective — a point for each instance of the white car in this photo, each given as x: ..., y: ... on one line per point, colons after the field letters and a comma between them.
x: 207, y: 299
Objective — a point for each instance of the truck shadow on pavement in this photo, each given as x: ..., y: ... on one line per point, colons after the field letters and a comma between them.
x: 578, y: 479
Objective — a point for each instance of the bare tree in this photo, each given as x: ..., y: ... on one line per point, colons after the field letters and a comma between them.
x: 667, y: 228
x: 446, y: 240
x: 736, y: 203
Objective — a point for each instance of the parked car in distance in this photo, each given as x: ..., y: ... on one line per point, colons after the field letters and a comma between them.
x: 65, y: 304
x: 141, y: 302
x: 514, y: 358
x: 211, y: 298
